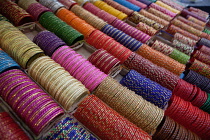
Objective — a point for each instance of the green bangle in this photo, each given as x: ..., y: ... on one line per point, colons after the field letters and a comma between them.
x: 179, y: 56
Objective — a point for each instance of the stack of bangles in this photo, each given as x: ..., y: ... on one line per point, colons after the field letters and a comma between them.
x: 64, y: 88
x: 99, y: 40
x: 9, y: 129
x: 184, y: 39
x: 60, y: 28
x: 53, y: 5
x: 68, y: 3
x: 16, y: 44
x: 79, y: 67
x: 198, y: 121
x: 97, y: 117
x: 105, y: 62
x: 35, y: 107
x: 14, y: 13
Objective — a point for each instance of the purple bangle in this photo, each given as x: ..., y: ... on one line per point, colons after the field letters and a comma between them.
x: 7, y: 78
x: 51, y: 117
x: 20, y: 107
x: 28, y: 84
x: 11, y: 86
x: 30, y: 101
x: 29, y: 112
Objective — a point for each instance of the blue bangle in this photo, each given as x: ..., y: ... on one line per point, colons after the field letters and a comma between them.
x: 128, y: 5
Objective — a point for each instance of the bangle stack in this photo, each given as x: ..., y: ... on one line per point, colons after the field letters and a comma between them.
x: 204, y: 41
x: 79, y: 67
x: 88, y: 17
x: 129, y: 5
x: 69, y: 128
x: 188, y: 50
x: 130, y: 105
x: 68, y: 3
x: 60, y: 28
x: 198, y: 121
x: 158, y: 74
x: 97, y: 117
x: 77, y: 23
x: 159, y: 14
x: 105, y: 62
x: 149, y: 90
x: 9, y: 129
x: 161, y: 60
x: 26, y: 99
x: 14, y: 13
x: 190, y: 23
x: 54, y: 5
x: 163, y: 10
x: 185, y: 40
x: 65, y: 89
x: 101, y: 41
x: 138, y: 3
x: 17, y: 45
x: 25, y: 3
x: 201, y: 57
x: 6, y: 62
x: 48, y: 42
x: 109, y: 9
x: 146, y: 29
x: 169, y: 129
x: 173, y: 4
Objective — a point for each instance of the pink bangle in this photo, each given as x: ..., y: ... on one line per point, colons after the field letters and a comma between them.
x: 84, y: 75
x: 65, y: 53
x: 77, y: 72
x: 58, y: 112
x: 163, y: 10
x: 69, y: 59
x: 56, y: 53
x: 21, y: 106
x: 74, y: 65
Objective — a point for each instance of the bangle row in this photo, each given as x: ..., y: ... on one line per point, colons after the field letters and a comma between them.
x: 128, y: 5
x: 66, y: 91
x: 20, y: 93
x: 184, y: 39
x: 92, y: 112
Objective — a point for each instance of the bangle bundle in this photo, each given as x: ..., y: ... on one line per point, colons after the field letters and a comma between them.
x: 186, y: 27
x: 48, y: 42
x: 64, y: 88
x: 121, y: 37
x: 160, y: 59
x: 138, y: 3
x: 25, y: 3
x: 204, y: 41
x: 146, y: 29
x: 136, y: 18
x: 79, y: 67
x: 204, y: 49
x: 200, y: 67
x: 206, y: 31
x: 77, y: 23
x: 102, y: 41
x: 167, y: 7
x: 199, y: 12
x: 172, y: 29
x: 36, y: 10
x: 188, y: 50
x: 205, y: 107
x: 105, y: 62
x: 128, y: 5
x: 100, y: 13
x: 35, y: 107
x: 190, y: 23
x: 68, y: 3
x: 147, y: 2
x: 130, y: 105
x: 60, y: 28
x: 17, y: 45
x: 14, y: 13
x: 197, y: 79
x: 184, y: 39
x: 109, y: 9
x: 6, y: 62
x: 201, y: 57
x: 195, y: 20
x: 119, y: 7
x: 88, y: 17
x: 153, y: 17
x: 97, y: 117
x: 163, y: 10
x: 54, y: 5
x: 69, y: 128
x: 173, y: 4
x: 149, y: 90
x: 9, y: 129
x: 158, y: 74
x: 171, y: 52
x: 190, y: 93
x: 159, y: 14
x: 197, y: 120
x: 169, y: 129
x: 131, y: 31
x: 186, y: 13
